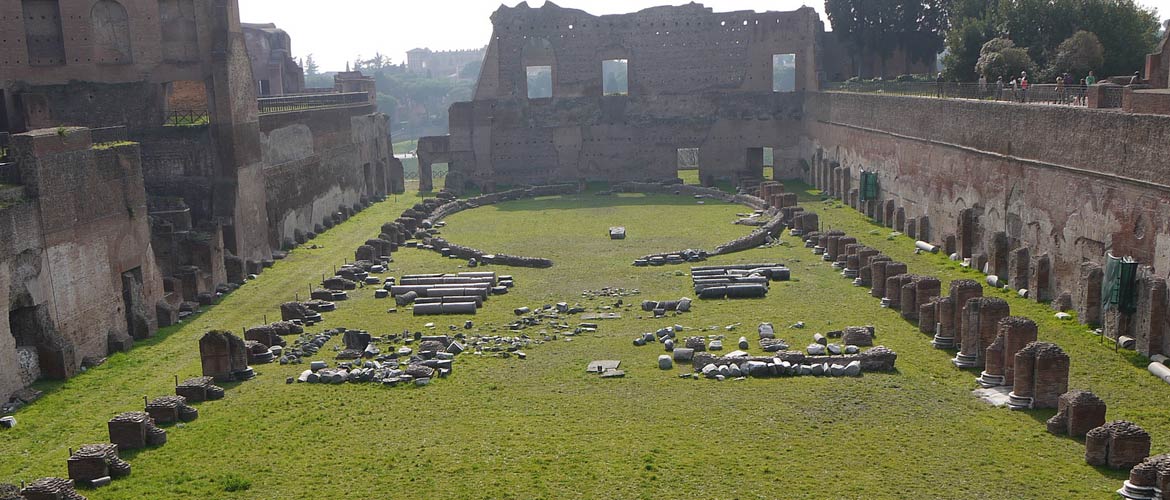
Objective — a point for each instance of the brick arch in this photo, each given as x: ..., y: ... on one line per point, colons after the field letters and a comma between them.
x: 111, y: 33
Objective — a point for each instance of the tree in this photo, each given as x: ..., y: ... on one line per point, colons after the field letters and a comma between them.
x: 964, y: 43
x: 470, y: 71
x: 1001, y: 58
x: 311, y: 68
x: 879, y: 27
x: 1127, y: 32
x: 1078, y: 54
x: 388, y: 104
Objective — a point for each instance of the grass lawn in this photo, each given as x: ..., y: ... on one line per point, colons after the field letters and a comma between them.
x: 542, y: 428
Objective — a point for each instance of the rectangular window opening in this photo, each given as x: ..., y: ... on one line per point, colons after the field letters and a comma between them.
x: 688, y: 166
x: 769, y: 163
x: 186, y: 103
x: 783, y: 72
x: 539, y: 82
x: 615, y: 77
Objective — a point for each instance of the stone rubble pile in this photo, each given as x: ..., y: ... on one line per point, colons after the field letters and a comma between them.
x: 843, y: 361
x: 422, y: 221
x: 459, y: 293
x: 680, y: 257
x: 661, y: 307
x: 736, y: 281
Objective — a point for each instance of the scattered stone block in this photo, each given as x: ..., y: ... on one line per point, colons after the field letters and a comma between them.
x: 665, y: 362
x: 602, y: 365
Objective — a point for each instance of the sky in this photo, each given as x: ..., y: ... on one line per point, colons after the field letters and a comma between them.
x: 337, y: 31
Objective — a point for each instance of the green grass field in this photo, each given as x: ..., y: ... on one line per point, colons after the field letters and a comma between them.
x: 542, y: 428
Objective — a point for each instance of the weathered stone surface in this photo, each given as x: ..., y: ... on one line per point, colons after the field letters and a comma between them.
x: 857, y: 335
x: 1078, y: 413
x: 1118, y: 444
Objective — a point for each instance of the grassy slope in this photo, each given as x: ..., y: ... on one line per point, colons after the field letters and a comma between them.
x: 541, y: 428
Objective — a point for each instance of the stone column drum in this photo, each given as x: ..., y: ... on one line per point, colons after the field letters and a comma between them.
x: 1051, y: 379
x: 1041, y: 376
x: 944, y: 315
x: 1018, y: 332
x: 961, y: 291
x: 865, y: 256
x: 927, y: 322
x: 993, y: 364
x: 980, y: 325
x: 894, y: 290
x: 1148, y: 480
x: 877, y: 272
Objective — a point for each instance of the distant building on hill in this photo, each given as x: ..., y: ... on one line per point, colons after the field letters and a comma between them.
x: 443, y: 63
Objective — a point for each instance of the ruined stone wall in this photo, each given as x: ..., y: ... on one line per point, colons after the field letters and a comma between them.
x: 58, y: 44
x: 697, y: 79
x: 273, y: 67
x: 319, y: 160
x: 21, y: 286
x: 1065, y: 183
x: 77, y: 258
x: 179, y: 162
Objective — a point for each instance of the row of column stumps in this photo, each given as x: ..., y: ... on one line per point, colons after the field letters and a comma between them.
x: 1007, y: 347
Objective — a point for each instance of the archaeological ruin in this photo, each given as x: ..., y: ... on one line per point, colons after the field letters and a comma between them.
x: 906, y: 260
x: 141, y: 164
x: 945, y: 170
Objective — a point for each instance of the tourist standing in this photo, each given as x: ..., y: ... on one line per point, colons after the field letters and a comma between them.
x: 999, y: 88
x: 1023, y: 86
x: 1091, y: 79
x: 982, y: 86
x: 938, y: 83
x: 1059, y: 99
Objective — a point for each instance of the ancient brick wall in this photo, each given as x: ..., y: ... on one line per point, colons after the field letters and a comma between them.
x: 77, y: 261
x: 1068, y: 182
x: 21, y: 285
x: 318, y: 160
x: 273, y: 67
x: 696, y: 79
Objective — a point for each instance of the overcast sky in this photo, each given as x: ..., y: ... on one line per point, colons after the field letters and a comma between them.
x: 336, y: 31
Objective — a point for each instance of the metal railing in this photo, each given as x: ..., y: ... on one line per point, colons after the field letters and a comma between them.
x: 1069, y: 95
x: 1111, y: 98
x: 187, y: 117
x: 301, y: 102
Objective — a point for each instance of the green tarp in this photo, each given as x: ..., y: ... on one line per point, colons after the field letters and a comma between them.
x: 869, y: 186
x: 1119, y: 286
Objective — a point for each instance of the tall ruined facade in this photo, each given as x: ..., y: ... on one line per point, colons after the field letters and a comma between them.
x: 140, y: 172
x: 693, y: 79
x: 1037, y: 195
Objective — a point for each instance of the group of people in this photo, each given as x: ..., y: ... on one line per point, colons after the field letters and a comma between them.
x: 1067, y: 91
